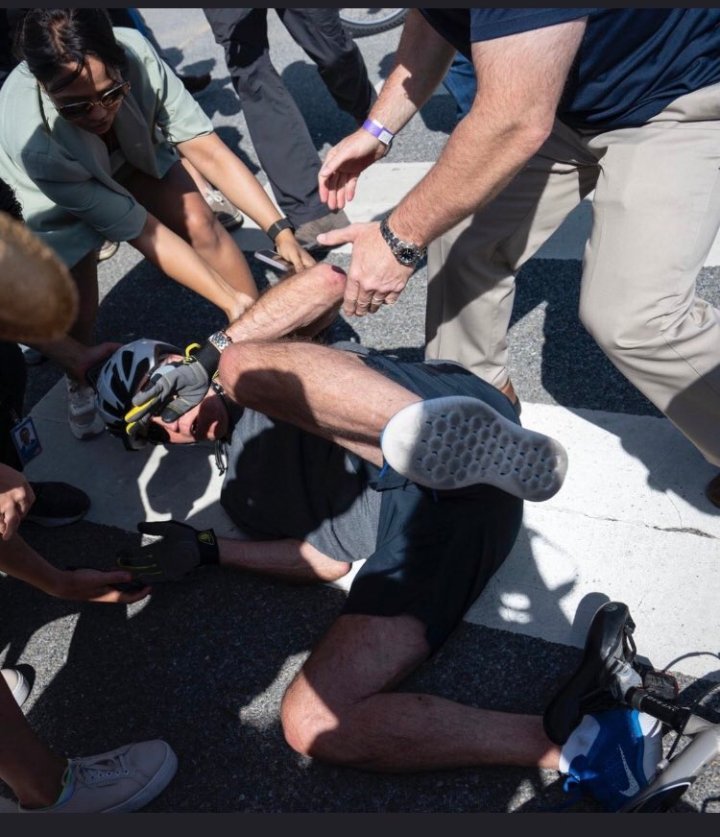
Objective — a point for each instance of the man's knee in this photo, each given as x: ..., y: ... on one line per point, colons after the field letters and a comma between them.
x: 313, y: 729
x: 305, y: 719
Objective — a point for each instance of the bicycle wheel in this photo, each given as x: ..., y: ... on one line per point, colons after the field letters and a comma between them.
x: 363, y: 22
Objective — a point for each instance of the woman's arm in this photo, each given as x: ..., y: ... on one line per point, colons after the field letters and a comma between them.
x: 217, y: 163
x: 175, y: 257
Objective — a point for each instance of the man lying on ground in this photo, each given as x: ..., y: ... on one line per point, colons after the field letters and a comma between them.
x: 343, y: 454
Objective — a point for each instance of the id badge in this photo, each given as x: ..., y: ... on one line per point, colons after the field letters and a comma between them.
x: 26, y: 440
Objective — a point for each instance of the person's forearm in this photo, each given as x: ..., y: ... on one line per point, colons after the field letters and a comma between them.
x: 421, y: 61
x: 521, y: 78
x: 20, y: 561
x: 492, y: 150
x: 175, y: 257
x: 225, y: 170
x: 293, y: 306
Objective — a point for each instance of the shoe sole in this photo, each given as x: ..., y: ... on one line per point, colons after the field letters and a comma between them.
x: 82, y: 432
x: 21, y: 691
x: 154, y: 787
x: 457, y: 441
x: 54, y: 522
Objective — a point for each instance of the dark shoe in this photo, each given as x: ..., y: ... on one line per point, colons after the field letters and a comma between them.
x: 57, y: 504
x: 194, y: 84
x: 712, y: 491
x: 307, y: 233
x: 226, y: 213
x: 508, y: 391
x: 32, y: 356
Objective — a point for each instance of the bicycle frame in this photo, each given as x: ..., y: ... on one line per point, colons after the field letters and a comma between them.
x: 673, y: 780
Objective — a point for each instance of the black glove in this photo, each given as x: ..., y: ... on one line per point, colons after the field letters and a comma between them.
x: 181, y: 550
x: 175, y: 387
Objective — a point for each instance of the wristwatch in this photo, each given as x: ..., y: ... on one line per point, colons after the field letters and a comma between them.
x: 273, y: 230
x: 405, y: 252
x: 220, y: 340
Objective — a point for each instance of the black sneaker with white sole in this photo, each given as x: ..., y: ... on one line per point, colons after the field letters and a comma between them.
x: 57, y: 504
x: 457, y: 441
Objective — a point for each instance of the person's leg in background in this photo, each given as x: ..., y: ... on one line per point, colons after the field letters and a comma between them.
x: 342, y: 68
x: 277, y: 128
x: 472, y: 267
x: 657, y: 211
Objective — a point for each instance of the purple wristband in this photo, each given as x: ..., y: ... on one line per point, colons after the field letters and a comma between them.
x: 379, y: 131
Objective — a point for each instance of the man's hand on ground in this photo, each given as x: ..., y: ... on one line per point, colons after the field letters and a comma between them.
x: 179, y: 550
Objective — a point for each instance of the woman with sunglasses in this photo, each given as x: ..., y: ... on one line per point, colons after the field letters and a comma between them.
x: 101, y: 141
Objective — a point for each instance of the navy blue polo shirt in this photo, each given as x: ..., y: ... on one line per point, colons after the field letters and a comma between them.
x: 631, y: 62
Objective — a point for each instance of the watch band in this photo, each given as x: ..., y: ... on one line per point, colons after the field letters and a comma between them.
x: 273, y: 230
x: 220, y: 340
x: 407, y: 253
x: 378, y: 130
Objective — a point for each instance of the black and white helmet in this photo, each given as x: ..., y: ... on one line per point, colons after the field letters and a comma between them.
x: 124, y: 373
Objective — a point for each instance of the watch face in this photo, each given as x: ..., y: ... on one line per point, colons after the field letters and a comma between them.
x: 406, y: 256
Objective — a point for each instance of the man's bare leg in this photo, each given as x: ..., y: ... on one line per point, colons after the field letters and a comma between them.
x: 327, y: 392
x: 338, y: 708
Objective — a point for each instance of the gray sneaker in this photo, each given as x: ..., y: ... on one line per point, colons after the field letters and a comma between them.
x: 83, y: 417
x: 307, y: 233
x: 457, y: 441
x: 226, y: 213
x: 17, y: 683
x: 108, y: 250
x: 117, y: 782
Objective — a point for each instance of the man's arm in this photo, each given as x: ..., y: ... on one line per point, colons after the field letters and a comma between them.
x: 302, y: 303
x: 421, y: 61
x: 520, y: 81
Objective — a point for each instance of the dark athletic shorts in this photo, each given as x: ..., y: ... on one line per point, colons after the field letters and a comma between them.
x: 428, y: 553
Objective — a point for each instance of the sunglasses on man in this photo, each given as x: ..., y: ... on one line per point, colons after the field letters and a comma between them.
x: 112, y: 97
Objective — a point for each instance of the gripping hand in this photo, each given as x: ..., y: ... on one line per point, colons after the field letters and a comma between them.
x: 180, y: 550
x: 176, y: 386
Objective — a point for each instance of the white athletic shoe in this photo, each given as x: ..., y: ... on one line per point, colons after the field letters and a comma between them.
x: 83, y: 417
x: 458, y: 441
x: 17, y: 683
x: 117, y: 782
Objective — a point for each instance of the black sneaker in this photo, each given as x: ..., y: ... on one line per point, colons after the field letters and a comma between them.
x: 57, y: 504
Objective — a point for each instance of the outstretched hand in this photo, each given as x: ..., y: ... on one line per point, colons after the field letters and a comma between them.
x: 375, y: 277
x: 343, y: 164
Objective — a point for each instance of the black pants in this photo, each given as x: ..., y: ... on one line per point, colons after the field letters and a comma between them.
x: 278, y: 131
x: 13, y: 380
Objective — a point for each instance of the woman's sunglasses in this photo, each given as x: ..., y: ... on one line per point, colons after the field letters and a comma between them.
x: 76, y: 110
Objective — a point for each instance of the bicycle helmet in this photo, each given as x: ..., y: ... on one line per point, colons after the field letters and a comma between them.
x: 122, y: 375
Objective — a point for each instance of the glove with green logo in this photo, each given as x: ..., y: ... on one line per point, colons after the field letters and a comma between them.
x: 180, y: 550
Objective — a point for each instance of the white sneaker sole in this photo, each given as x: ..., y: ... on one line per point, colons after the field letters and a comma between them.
x: 458, y: 441
x: 21, y: 689
x: 86, y: 431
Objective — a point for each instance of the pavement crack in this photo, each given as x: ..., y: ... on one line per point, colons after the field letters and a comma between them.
x: 681, y: 530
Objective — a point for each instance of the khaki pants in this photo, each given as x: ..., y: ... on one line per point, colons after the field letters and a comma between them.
x: 656, y: 212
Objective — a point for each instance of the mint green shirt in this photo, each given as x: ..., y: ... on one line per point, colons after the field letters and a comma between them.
x: 63, y: 176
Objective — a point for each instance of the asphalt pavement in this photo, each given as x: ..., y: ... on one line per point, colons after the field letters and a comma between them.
x: 204, y: 663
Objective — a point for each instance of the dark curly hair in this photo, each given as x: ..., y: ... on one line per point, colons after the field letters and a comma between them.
x: 8, y: 202
x: 47, y: 39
